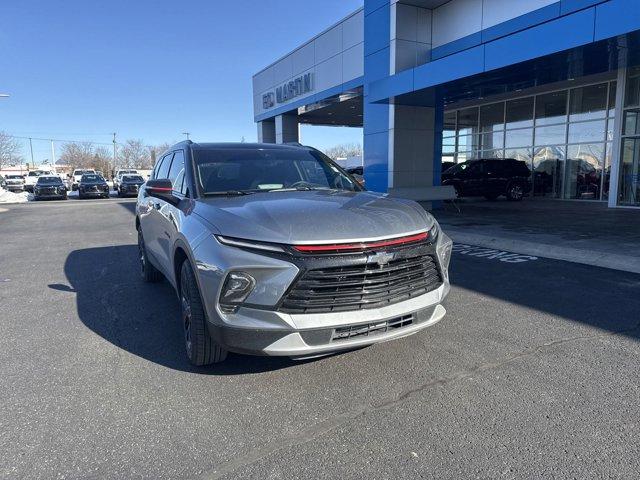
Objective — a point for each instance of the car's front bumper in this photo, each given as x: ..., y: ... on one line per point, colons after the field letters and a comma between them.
x: 93, y: 193
x: 321, y: 334
x: 15, y: 188
x: 259, y: 330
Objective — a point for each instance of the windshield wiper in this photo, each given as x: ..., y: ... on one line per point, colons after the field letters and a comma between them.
x: 297, y: 189
x: 228, y: 193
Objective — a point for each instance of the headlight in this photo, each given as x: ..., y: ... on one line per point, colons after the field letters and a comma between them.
x: 237, y: 287
x: 435, y: 230
x: 238, y: 242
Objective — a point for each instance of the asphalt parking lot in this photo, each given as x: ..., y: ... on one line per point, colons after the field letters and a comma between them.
x: 534, y: 372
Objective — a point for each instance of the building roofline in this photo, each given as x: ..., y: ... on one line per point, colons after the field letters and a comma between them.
x: 309, y: 41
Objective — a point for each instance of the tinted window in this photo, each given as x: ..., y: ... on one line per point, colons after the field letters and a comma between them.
x: 176, y: 173
x: 49, y: 181
x: 163, y: 169
x: 247, y: 169
x: 91, y: 178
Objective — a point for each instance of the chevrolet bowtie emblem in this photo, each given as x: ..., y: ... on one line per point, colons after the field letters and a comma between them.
x: 381, y: 258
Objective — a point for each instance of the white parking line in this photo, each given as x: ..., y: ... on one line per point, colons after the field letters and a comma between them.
x: 491, y: 254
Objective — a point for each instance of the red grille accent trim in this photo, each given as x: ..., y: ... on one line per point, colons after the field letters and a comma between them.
x: 342, y: 247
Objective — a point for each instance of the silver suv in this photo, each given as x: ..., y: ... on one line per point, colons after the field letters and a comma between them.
x: 275, y: 250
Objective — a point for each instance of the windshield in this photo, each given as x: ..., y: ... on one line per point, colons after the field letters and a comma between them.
x: 91, y: 178
x: 132, y: 178
x: 49, y: 181
x: 83, y: 172
x: 245, y: 170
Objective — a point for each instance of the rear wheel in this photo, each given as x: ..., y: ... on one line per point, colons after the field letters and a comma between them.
x: 200, y: 347
x: 148, y: 272
x: 515, y: 192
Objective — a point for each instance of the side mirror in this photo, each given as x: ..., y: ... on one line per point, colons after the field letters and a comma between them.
x: 163, y: 189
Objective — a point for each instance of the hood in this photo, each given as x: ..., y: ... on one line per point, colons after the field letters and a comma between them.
x: 313, y: 216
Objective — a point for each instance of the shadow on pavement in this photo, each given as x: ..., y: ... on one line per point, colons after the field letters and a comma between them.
x: 140, y: 318
x: 598, y: 297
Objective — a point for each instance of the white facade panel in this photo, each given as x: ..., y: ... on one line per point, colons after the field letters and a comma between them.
x: 328, y: 44
x: 424, y: 25
x: 457, y: 19
x: 353, y: 62
x: 333, y: 57
x: 282, y: 70
x: 263, y: 80
x: 353, y: 30
x: 303, y: 58
x: 328, y: 73
x: 498, y: 11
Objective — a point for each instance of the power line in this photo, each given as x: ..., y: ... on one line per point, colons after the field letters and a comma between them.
x: 62, y: 140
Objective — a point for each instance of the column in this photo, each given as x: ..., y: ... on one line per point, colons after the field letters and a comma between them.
x: 267, y: 131
x: 287, y: 128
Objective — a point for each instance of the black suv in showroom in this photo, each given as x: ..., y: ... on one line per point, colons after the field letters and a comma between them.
x: 490, y: 178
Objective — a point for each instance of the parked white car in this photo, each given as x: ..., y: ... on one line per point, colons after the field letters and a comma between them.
x: 15, y: 182
x: 117, y: 177
x: 77, y: 175
x: 32, y: 177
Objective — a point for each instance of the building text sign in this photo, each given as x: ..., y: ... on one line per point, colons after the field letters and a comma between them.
x: 291, y: 89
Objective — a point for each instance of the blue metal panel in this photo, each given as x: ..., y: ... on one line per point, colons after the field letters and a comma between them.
x: 376, y: 66
x: 527, y: 20
x: 376, y: 161
x: 617, y: 17
x: 561, y: 34
x: 459, y: 45
x: 376, y: 117
x: 391, y: 86
x: 371, y: 5
x: 376, y: 182
x: 570, y: 6
x: 463, y: 64
x: 377, y: 30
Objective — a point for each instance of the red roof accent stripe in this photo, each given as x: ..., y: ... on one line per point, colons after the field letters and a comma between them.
x: 362, y: 245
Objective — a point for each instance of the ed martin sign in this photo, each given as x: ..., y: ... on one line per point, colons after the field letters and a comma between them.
x: 293, y: 88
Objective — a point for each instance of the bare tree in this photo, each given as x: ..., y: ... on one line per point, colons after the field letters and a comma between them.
x: 134, y: 154
x: 10, y: 150
x: 157, y: 150
x: 77, y: 154
x: 344, y: 150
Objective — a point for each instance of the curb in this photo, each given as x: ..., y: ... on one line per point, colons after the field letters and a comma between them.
x: 593, y: 258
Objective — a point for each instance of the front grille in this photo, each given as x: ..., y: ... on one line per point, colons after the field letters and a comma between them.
x: 370, y: 329
x: 365, y: 285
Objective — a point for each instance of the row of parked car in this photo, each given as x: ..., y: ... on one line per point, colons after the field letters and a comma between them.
x: 87, y: 182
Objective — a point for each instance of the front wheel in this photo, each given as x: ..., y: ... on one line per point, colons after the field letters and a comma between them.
x: 200, y: 347
x: 515, y: 192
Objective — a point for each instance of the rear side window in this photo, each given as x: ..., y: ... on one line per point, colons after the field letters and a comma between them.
x: 163, y: 169
x: 176, y: 173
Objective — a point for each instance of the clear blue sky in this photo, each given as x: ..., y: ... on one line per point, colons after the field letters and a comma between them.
x: 146, y: 69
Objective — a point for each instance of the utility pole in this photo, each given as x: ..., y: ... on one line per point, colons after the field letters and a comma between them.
x: 31, y: 148
x: 114, y: 153
x: 53, y: 156
x: 187, y: 134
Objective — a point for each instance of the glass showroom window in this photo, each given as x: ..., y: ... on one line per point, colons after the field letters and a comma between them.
x: 587, y: 133
x: 629, y: 186
x: 564, y: 137
x: 449, y: 140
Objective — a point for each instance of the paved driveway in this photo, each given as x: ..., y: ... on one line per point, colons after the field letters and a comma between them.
x: 533, y: 373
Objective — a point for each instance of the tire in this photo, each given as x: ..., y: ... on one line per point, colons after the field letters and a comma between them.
x: 149, y: 273
x: 200, y: 347
x: 491, y: 196
x: 515, y: 192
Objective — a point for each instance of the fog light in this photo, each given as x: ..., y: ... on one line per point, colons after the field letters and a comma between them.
x: 237, y: 287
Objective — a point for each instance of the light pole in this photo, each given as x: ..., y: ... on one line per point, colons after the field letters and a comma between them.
x: 114, y: 153
x: 187, y: 134
x: 4, y: 95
